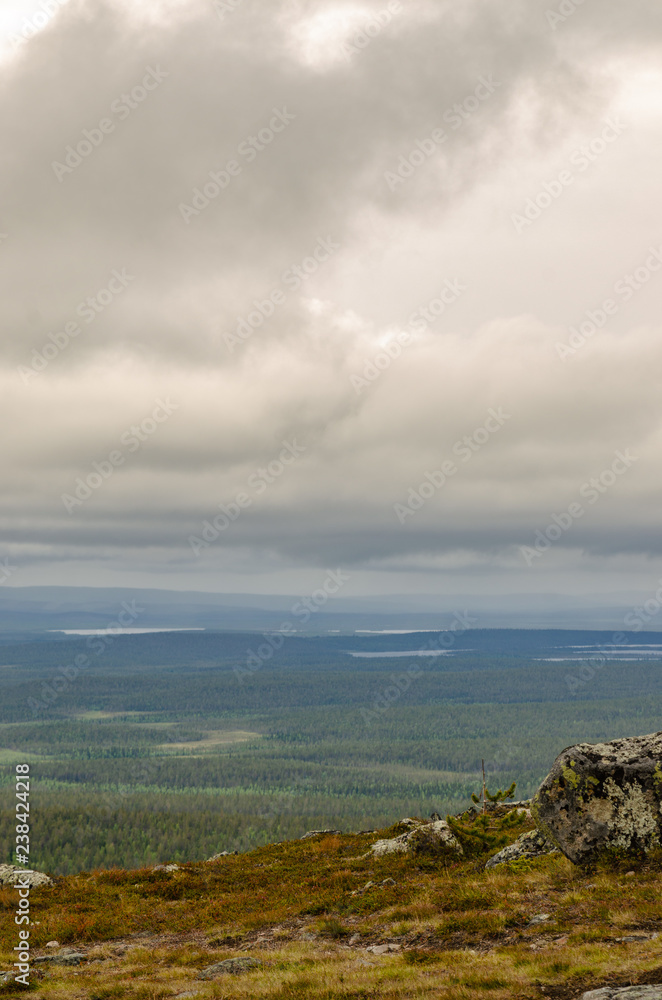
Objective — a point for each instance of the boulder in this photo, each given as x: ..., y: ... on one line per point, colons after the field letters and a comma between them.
x: 10, y: 873
x: 625, y: 993
x: 529, y: 845
x: 67, y: 957
x: 603, y: 796
x: 318, y: 833
x: 231, y: 966
x: 424, y: 838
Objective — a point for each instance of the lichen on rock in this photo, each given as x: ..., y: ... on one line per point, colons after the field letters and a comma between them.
x: 603, y: 796
x: 424, y: 838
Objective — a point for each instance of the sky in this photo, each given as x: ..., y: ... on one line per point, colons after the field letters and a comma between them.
x: 293, y: 287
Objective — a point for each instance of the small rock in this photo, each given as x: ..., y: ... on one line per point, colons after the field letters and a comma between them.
x: 539, y: 918
x: 626, y: 993
x: 52, y: 944
x: 529, y: 845
x: 10, y: 873
x: 65, y: 958
x: 424, y: 838
x: 317, y: 833
x: 629, y: 874
x: 166, y: 868
x: 378, y: 949
x: 233, y: 966
x: 355, y: 938
x: 389, y: 881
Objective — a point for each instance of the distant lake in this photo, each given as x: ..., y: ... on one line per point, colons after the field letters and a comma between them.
x: 395, y: 631
x: 610, y: 651
x: 116, y: 631
x: 411, y: 652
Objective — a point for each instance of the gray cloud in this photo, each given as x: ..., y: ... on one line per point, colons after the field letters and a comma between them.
x: 164, y: 328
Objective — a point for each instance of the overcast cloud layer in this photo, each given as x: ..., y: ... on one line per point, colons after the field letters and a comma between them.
x: 358, y: 338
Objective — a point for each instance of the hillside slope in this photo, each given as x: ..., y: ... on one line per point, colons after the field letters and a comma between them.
x: 326, y: 920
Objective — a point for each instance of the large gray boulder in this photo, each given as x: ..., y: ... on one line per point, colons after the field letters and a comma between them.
x: 603, y: 795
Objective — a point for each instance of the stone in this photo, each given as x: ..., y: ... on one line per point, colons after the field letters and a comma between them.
x: 529, y: 845
x: 52, y: 944
x: 539, y: 918
x: 435, y: 838
x: 65, y: 958
x: 166, y: 868
x: 603, y: 796
x: 10, y: 873
x: 232, y: 966
x: 625, y: 993
x: 318, y: 833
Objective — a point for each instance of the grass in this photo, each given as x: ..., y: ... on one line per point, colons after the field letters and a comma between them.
x: 459, y: 931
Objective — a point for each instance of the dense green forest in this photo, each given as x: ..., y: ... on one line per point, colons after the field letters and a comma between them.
x: 167, y: 747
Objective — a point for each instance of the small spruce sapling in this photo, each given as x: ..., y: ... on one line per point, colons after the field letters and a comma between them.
x: 481, y: 834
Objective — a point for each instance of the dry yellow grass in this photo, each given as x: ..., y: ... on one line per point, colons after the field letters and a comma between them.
x: 457, y: 931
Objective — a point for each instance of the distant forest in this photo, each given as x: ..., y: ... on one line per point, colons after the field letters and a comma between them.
x: 171, y: 746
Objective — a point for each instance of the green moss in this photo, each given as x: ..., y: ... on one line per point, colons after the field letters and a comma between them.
x: 571, y: 776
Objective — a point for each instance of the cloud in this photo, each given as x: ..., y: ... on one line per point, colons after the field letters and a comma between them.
x: 165, y: 97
